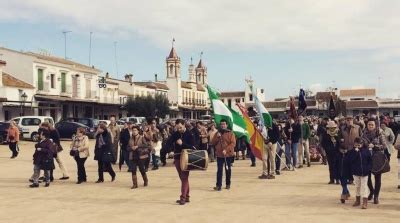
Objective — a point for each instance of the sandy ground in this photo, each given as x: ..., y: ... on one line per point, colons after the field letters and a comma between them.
x: 301, y: 196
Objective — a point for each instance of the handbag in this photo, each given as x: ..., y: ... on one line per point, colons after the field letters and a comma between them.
x: 107, y: 157
x: 380, y: 163
x: 73, y: 152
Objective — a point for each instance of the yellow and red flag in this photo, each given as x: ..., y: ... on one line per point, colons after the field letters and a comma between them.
x: 256, y: 138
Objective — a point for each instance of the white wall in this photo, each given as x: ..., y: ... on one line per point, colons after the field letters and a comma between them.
x: 18, y: 64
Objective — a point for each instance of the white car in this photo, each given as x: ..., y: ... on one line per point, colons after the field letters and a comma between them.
x: 30, y: 125
x: 107, y: 122
x: 134, y: 120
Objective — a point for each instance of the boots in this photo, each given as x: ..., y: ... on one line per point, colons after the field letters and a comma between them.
x: 146, y: 181
x: 343, y: 198
x: 358, y: 201
x: 376, y: 199
x: 371, y: 195
x: 365, y: 203
x: 324, y: 160
x: 134, y: 182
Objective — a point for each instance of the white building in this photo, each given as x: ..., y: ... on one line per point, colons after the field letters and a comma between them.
x: 62, y: 88
x: 188, y: 99
x: 244, y: 98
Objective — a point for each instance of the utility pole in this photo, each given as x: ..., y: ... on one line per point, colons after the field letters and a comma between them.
x: 65, y: 43
x: 115, y: 57
x: 90, y: 49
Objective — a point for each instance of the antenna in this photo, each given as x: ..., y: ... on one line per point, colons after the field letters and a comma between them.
x: 65, y: 42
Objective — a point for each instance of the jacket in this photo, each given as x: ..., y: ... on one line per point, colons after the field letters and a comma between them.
x: 13, y: 134
x: 305, y: 131
x: 142, y: 149
x: 226, y: 142
x: 360, y: 162
x: 295, y: 135
x: 82, y: 145
x: 349, y: 134
x: 43, y: 155
x: 100, y: 150
x: 274, y: 134
x: 114, y: 131
x: 375, y: 137
x: 327, y: 143
x: 188, y: 142
x: 389, y: 137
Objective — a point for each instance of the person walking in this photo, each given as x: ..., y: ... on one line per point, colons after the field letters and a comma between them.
x: 374, y: 140
x: 330, y: 142
x: 80, y: 152
x: 211, y: 134
x: 115, y: 131
x: 224, y: 143
x: 124, y: 138
x: 304, y: 146
x: 139, y: 151
x: 13, y: 139
x: 360, y: 164
x: 293, y: 133
x: 270, y: 152
x: 103, y: 153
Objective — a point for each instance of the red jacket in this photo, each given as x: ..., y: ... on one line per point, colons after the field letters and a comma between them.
x: 226, y: 142
x: 13, y: 134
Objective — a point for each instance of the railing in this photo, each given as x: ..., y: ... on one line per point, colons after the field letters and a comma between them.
x: 46, y: 88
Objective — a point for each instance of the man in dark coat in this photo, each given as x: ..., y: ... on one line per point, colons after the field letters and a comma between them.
x: 181, y: 139
x: 124, y: 138
x: 103, y: 153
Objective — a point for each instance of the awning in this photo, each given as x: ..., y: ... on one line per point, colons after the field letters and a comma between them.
x: 62, y: 99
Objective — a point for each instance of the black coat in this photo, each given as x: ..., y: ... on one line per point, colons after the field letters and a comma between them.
x: 360, y: 162
x: 188, y: 142
x: 44, y: 157
x: 124, y: 138
x: 329, y: 146
x: 99, y: 151
x: 274, y: 134
x: 295, y: 135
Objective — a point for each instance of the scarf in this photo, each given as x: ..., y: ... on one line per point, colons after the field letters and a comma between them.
x: 333, y: 133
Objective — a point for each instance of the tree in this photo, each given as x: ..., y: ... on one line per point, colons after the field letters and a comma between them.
x: 148, y: 106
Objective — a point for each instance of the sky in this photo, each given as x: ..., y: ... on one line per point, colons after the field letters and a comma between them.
x: 281, y: 44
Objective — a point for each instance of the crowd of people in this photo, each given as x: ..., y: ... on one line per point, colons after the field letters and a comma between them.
x: 356, y: 150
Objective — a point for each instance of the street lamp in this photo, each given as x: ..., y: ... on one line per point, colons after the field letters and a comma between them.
x: 23, y: 97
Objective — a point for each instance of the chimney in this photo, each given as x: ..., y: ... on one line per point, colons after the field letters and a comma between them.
x: 155, y: 77
x: 127, y: 77
x: 107, y: 75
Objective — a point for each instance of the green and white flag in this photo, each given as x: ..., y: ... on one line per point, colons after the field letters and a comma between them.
x: 223, y: 112
x: 265, y: 116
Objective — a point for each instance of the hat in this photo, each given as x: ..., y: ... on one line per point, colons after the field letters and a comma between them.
x: 349, y: 117
x: 331, y: 124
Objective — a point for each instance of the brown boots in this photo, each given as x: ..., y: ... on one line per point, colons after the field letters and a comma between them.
x: 358, y: 201
x: 146, y: 181
x: 365, y: 203
x: 134, y: 182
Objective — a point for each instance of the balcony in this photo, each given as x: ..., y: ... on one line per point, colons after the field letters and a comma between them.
x: 45, y: 90
x: 68, y: 91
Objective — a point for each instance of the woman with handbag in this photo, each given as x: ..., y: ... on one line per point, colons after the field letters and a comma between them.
x: 103, y: 153
x: 80, y: 152
x: 139, y: 152
x: 374, y: 140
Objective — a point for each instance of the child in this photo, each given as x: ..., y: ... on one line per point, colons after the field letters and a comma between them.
x: 361, y: 164
x: 43, y: 158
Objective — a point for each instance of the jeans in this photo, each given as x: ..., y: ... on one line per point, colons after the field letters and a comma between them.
x: 138, y: 163
x: 80, y: 162
x: 104, y: 166
x: 155, y: 159
x: 36, y: 174
x: 14, y: 148
x: 125, y: 156
x: 184, y: 177
x: 343, y: 182
x: 163, y: 154
x: 291, y: 154
x: 252, y: 157
x: 220, y: 166
x: 378, y: 182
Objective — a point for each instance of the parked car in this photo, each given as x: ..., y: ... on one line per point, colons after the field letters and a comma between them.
x: 30, y: 125
x: 67, y: 130
x: 397, y: 118
x: 3, y: 131
x: 92, y: 123
x: 134, y: 120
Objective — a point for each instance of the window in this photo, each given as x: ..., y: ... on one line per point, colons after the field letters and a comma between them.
x: 262, y: 91
x: 230, y: 103
x: 242, y: 99
x: 63, y: 83
x: 251, y: 97
x: 88, y: 88
x: 52, y: 81
x: 31, y: 122
x: 171, y: 69
x: 40, y: 79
